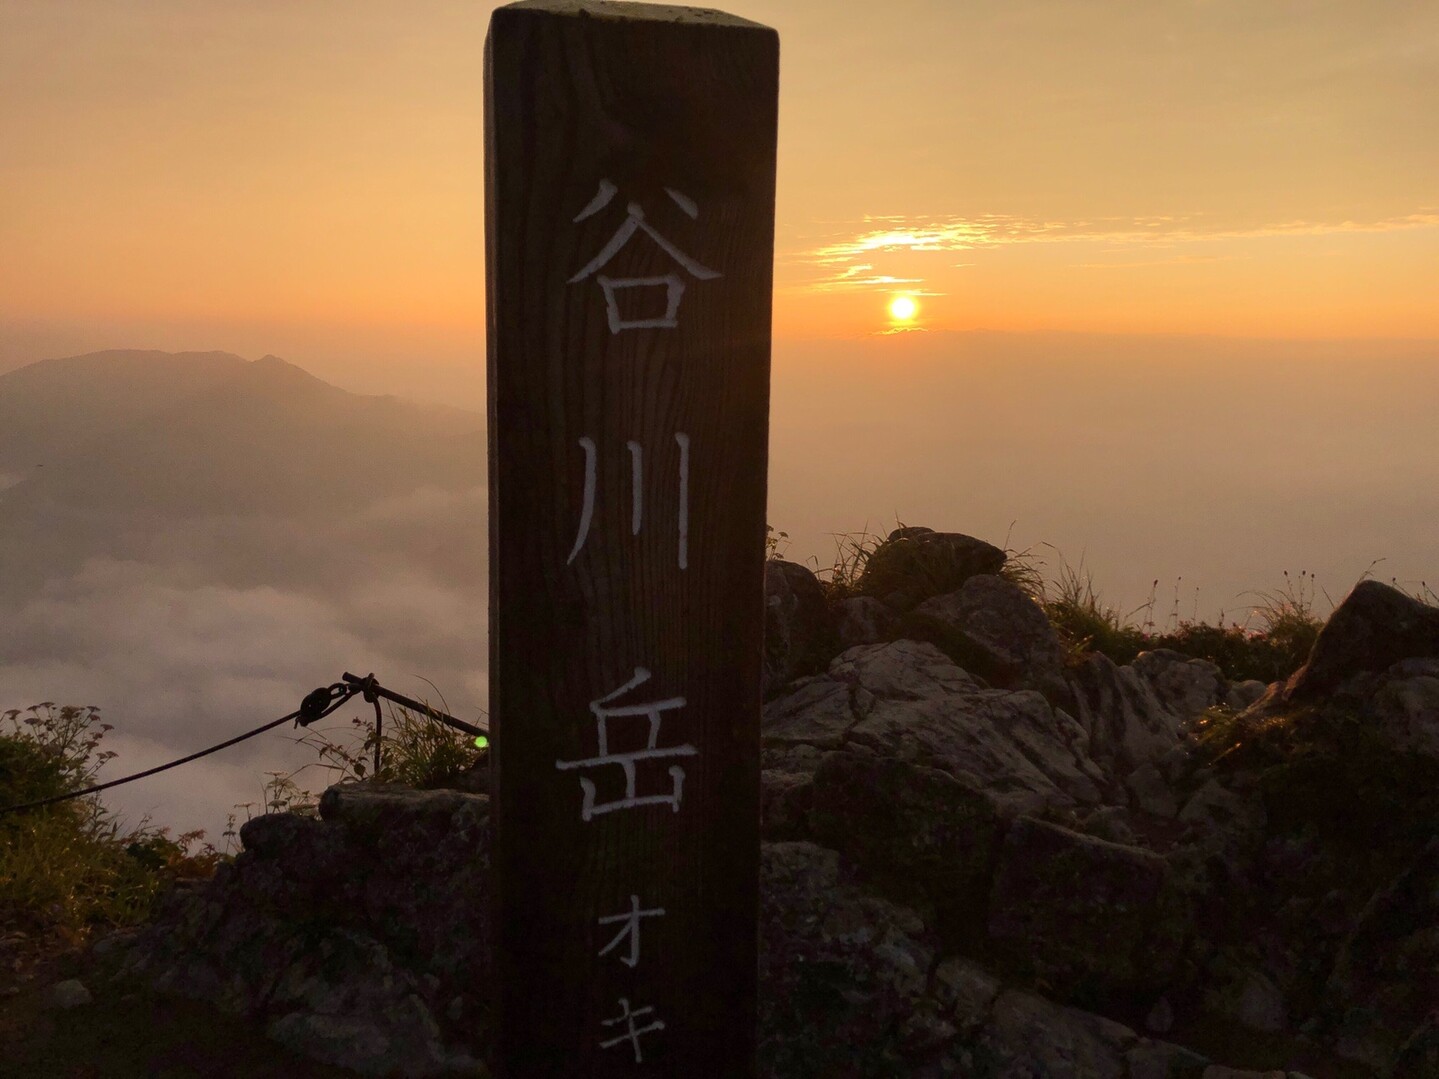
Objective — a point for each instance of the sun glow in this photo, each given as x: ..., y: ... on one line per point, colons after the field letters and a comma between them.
x: 903, y: 308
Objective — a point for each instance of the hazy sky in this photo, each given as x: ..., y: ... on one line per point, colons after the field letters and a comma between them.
x: 210, y: 174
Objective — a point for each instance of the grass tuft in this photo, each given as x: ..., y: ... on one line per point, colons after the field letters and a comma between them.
x: 72, y: 868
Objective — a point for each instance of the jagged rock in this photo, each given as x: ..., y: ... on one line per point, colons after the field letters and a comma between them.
x: 359, y: 938
x: 1184, y: 685
x: 1161, y: 1060
x: 343, y: 1002
x: 913, y: 564
x: 1127, y: 723
x: 68, y: 994
x: 916, y: 834
x: 842, y: 971
x: 818, y: 712
x: 1149, y: 792
x: 1223, y: 815
x: 1405, y: 706
x: 1418, y: 1058
x: 1261, y: 1005
x: 1006, y: 634
x: 345, y: 936
x: 1160, y: 1019
x: 1084, y: 914
x: 1375, y: 627
x: 964, y: 992
x: 798, y: 639
x: 354, y: 940
x: 115, y: 943
x: 1386, y: 979
x: 1244, y: 694
x: 1111, y: 823
x: 1226, y: 817
x: 912, y: 703
x: 865, y: 620
x: 1042, y: 1039
x: 785, y: 799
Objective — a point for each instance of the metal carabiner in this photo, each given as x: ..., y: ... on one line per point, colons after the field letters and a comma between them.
x: 321, y: 702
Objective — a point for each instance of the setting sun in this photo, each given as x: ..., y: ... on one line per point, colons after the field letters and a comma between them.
x: 903, y: 308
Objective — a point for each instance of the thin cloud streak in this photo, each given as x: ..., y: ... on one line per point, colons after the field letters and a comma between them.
x: 897, y: 235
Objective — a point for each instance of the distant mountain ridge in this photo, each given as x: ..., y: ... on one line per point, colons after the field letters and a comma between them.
x: 93, y: 447
x: 50, y: 408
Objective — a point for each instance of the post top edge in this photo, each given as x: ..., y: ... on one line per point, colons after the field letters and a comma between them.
x: 633, y: 9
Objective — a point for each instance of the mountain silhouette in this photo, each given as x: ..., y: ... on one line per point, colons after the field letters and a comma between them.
x: 101, y: 449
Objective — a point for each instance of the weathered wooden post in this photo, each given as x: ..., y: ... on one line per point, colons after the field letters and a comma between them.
x: 630, y: 197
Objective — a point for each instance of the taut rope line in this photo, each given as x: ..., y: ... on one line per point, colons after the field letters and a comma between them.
x: 316, y: 705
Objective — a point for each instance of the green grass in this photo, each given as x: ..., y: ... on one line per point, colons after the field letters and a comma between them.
x: 415, y: 751
x: 1273, y: 641
x: 69, y: 869
x: 73, y: 870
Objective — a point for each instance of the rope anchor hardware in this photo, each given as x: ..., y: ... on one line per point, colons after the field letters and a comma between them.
x: 317, y: 704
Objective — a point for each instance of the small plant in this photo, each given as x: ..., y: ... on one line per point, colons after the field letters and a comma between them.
x: 1287, y: 618
x: 772, y: 541
x: 70, y: 867
x: 851, y: 556
x: 1025, y: 569
x: 1085, y: 623
x: 415, y: 750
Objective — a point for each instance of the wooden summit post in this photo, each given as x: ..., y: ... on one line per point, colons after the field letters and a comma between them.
x: 630, y: 229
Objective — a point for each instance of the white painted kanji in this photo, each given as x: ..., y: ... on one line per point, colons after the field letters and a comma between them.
x: 673, y: 283
x: 604, y: 711
x: 637, y: 495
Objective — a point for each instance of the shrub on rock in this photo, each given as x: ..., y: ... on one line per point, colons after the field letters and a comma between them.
x: 916, y: 563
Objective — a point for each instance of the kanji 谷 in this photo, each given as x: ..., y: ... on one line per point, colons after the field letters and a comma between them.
x: 674, y: 285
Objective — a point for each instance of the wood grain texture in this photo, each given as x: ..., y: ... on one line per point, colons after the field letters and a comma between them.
x: 654, y: 100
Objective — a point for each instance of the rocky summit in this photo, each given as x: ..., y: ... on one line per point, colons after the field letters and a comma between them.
x: 987, y: 854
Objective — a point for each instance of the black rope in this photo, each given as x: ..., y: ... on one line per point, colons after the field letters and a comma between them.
x: 372, y: 689
x: 316, y: 705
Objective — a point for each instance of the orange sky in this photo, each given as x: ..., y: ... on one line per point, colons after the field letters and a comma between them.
x: 1205, y: 166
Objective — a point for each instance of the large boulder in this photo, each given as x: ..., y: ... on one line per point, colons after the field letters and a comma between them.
x: 843, y: 972
x: 1404, y: 706
x: 1375, y: 627
x: 798, y: 638
x: 817, y: 712
x: 864, y: 620
x: 915, y: 563
x: 992, y: 623
x: 1386, y: 980
x: 1185, y: 685
x: 355, y: 939
x: 1123, y: 715
x: 916, y: 834
x: 1093, y: 919
x: 908, y: 700
x: 1059, y: 1042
